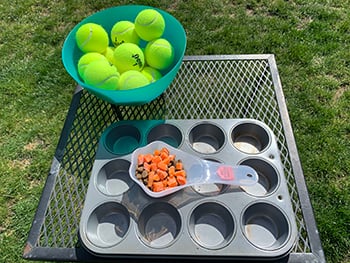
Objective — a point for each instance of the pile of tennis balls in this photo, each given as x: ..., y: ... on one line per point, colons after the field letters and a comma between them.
x: 125, y: 65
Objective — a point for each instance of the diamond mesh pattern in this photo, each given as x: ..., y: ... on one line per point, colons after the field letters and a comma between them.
x: 203, y: 89
x: 63, y: 213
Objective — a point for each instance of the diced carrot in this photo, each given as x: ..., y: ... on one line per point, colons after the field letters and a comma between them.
x: 148, y: 158
x: 165, y: 150
x: 140, y: 159
x: 156, y: 177
x: 166, y: 160
x: 154, y: 167
x: 163, y: 155
x: 156, y: 152
x: 150, y: 178
x: 171, y: 171
x: 181, y: 180
x: 178, y: 165
x: 156, y: 159
x: 162, y: 174
x: 158, y: 186
x: 172, y: 182
x: 180, y: 173
x: 163, y: 166
x: 147, y: 166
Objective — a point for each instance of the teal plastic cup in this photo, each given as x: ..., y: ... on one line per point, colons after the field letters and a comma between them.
x: 174, y: 33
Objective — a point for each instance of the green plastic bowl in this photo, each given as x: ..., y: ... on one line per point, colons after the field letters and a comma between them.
x: 174, y: 33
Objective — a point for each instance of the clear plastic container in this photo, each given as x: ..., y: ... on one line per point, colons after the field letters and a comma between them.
x: 198, y: 171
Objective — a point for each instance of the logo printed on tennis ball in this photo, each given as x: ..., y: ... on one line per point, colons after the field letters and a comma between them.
x: 138, y: 61
x: 129, y: 56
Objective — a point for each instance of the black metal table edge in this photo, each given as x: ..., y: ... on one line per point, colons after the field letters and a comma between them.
x: 31, y: 252
x: 307, y: 210
x: 82, y: 255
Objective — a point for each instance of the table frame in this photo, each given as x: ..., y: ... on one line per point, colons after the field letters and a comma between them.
x: 36, y: 249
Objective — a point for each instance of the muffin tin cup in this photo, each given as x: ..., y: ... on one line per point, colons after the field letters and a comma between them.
x: 211, y: 225
x: 122, y: 140
x: 159, y: 224
x: 211, y: 221
x: 250, y: 137
x: 268, y: 177
x: 107, y: 224
x: 206, y: 138
x: 265, y: 226
x: 113, y: 178
x: 167, y: 133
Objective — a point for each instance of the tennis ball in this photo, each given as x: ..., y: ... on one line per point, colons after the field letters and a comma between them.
x: 149, y: 24
x: 92, y: 37
x: 124, y: 32
x: 109, y: 55
x: 159, y: 54
x: 102, y: 75
x: 132, y: 79
x: 129, y: 56
x: 86, y: 59
x: 151, y: 74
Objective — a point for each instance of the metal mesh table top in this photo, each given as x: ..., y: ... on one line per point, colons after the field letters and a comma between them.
x: 206, y: 87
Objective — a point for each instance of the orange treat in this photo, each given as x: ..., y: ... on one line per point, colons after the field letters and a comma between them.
x: 160, y: 174
x: 181, y: 180
x: 151, y: 177
x: 163, y: 155
x: 165, y: 150
x: 156, y: 152
x: 140, y: 159
x: 148, y: 158
x: 178, y: 165
x: 171, y: 171
x: 156, y: 159
x: 147, y: 166
x: 154, y: 167
x: 180, y: 173
x: 158, y: 186
x: 163, y: 166
x: 172, y: 182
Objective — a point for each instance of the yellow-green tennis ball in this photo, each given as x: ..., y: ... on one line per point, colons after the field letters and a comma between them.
x: 149, y: 24
x: 124, y: 32
x: 129, y: 56
x: 159, y: 54
x: 86, y: 59
x: 92, y: 37
x: 132, y: 79
x: 151, y: 74
x: 101, y: 74
x: 109, y: 55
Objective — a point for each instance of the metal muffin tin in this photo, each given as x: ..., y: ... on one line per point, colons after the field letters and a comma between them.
x: 217, y: 221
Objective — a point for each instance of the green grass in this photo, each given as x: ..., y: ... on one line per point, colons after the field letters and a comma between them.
x: 311, y: 42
